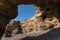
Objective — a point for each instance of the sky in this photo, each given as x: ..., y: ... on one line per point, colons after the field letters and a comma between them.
x: 25, y: 12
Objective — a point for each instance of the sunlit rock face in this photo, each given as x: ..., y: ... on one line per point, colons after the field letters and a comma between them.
x: 35, y: 24
x: 13, y: 28
x: 8, y: 9
x: 39, y: 23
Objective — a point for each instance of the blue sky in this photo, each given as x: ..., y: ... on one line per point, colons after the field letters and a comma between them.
x: 25, y: 12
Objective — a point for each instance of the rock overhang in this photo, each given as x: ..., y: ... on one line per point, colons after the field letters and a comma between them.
x: 9, y: 7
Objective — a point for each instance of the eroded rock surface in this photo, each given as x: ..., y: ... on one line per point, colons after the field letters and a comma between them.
x: 33, y: 27
x: 8, y: 10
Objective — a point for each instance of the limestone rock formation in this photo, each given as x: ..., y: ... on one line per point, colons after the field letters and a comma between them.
x: 34, y: 26
x: 8, y: 10
x: 13, y: 28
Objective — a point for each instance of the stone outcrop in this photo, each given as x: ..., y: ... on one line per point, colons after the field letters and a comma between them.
x: 34, y: 26
x: 8, y: 10
x: 31, y: 28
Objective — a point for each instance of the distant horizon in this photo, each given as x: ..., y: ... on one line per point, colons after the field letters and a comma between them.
x: 25, y: 12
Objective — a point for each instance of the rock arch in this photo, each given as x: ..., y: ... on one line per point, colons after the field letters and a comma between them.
x: 8, y: 9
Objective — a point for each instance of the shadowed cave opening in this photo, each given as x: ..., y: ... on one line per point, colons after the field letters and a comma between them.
x: 25, y: 12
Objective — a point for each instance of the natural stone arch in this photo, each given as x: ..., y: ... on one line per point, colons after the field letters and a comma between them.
x: 8, y: 9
